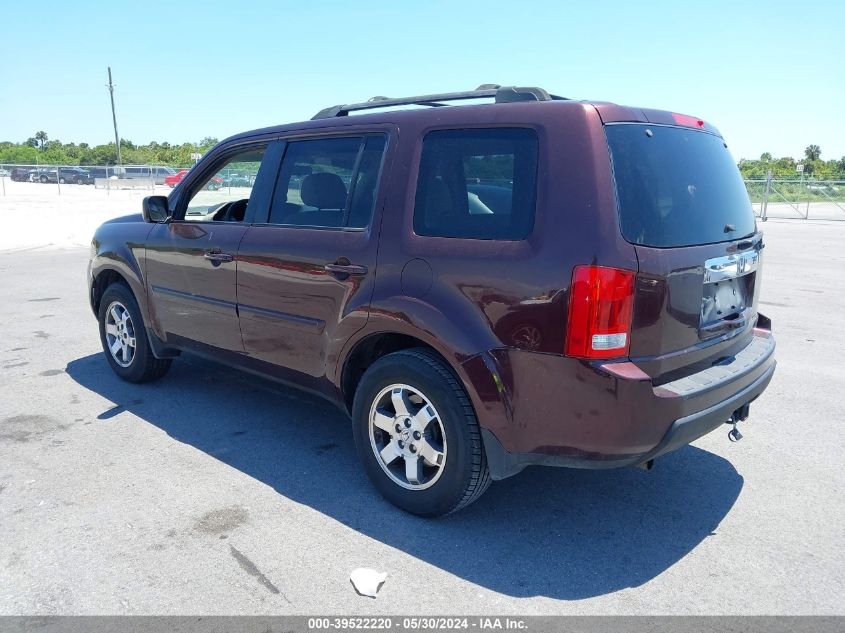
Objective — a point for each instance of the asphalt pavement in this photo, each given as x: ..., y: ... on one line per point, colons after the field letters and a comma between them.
x: 216, y: 492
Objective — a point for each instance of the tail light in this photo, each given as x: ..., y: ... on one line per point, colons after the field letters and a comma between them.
x: 600, y: 309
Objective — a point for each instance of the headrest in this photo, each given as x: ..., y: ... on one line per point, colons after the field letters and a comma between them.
x: 438, y: 199
x: 323, y: 190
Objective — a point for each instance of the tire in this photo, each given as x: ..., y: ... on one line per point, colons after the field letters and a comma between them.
x: 62, y: 181
x: 80, y: 181
x: 134, y: 361
x: 43, y: 179
x: 443, y: 427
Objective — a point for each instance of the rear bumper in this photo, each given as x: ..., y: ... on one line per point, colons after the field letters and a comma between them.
x: 562, y: 412
x: 683, y: 431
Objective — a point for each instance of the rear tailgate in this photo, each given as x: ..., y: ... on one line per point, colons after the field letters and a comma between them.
x: 683, y: 205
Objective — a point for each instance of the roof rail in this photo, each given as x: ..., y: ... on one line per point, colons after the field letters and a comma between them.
x: 501, y: 94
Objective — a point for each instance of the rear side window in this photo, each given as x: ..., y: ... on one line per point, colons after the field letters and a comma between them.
x: 677, y: 187
x: 329, y: 182
x: 477, y: 184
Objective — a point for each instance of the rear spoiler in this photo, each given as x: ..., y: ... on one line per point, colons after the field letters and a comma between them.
x: 612, y: 113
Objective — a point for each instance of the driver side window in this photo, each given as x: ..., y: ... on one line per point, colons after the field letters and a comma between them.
x: 223, y: 197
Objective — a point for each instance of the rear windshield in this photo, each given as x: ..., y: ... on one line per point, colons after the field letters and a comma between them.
x: 677, y: 186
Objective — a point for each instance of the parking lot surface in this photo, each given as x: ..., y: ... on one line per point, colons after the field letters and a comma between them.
x: 216, y: 492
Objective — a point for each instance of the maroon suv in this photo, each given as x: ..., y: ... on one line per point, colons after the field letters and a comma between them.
x: 482, y: 287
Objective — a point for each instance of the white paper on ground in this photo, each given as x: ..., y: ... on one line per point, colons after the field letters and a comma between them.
x: 367, y: 582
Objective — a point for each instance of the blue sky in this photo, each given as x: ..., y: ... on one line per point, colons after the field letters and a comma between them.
x: 769, y: 75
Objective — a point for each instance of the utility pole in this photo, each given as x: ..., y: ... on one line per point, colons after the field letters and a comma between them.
x: 114, y: 118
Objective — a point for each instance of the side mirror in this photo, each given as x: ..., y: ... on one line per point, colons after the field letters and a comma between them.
x: 155, y: 209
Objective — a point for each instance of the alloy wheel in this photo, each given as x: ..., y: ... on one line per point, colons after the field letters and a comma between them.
x: 120, y: 334
x: 407, y: 437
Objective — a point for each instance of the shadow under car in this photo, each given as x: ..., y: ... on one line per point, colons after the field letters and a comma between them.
x: 565, y: 534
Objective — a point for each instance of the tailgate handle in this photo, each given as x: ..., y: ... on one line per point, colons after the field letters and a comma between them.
x: 725, y: 325
x: 346, y: 269
x: 217, y: 256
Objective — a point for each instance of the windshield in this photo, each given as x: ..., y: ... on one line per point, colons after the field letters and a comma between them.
x: 677, y: 186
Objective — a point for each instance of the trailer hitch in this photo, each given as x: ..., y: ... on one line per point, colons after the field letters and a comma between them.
x: 736, y: 417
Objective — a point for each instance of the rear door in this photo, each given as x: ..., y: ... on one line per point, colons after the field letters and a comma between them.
x: 684, y: 206
x: 306, y: 270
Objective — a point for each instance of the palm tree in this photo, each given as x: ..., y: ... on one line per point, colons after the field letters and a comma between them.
x: 41, y: 137
x: 812, y: 152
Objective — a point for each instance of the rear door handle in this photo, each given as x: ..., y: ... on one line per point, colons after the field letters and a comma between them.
x: 217, y: 256
x: 346, y: 269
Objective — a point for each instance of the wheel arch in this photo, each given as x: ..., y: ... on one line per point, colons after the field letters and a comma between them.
x: 402, y: 322
x: 117, y: 255
x: 370, y: 348
x: 101, y: 281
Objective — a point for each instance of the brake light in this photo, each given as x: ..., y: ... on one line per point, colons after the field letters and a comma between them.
x: 601, y: 302
x: 689, y: 121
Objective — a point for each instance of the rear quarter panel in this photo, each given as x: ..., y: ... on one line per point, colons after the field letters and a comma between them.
x: 467, y: 296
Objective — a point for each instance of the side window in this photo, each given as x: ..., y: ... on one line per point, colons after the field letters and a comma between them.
x: 223, y: 196
x: 329, y: 182
x: 477, y: 184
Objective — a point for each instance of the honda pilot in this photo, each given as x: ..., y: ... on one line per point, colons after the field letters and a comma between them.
x: 482, y: 281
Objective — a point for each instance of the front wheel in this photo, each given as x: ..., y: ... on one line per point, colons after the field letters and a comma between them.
x: 417, y: 435
x: 124, y: 337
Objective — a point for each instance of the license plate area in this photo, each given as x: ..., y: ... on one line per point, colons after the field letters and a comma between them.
x: 728, y: 287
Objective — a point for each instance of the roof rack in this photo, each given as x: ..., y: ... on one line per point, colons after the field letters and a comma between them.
x: 501, y: 94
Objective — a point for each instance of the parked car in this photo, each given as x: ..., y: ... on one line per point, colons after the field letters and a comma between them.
x: 43, y: 175
x: 234, y: 179
x: 22, y: 174
x: 75, y: 175
x: 158, y: 173
x: 530, y: 281
x: 174, y: 179
x: 64, y: 175
x: 214, y: 183
x: 103, y: 172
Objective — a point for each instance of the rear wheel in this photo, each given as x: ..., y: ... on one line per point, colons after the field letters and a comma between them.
x: 62, y: 180
x: 417, y: 435
x: 124, y: 337
x: 43, y: 179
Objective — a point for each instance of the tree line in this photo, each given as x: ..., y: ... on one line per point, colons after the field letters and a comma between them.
x: 39, y: 149
x: 787, y: 167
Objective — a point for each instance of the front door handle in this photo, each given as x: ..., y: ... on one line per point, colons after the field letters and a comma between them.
x: 346, y: 269
x: 217, y: 256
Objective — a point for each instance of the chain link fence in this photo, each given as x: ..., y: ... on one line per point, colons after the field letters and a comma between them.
x: 797, y: 198
x: 770, y: 197
x: 112, y: 177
